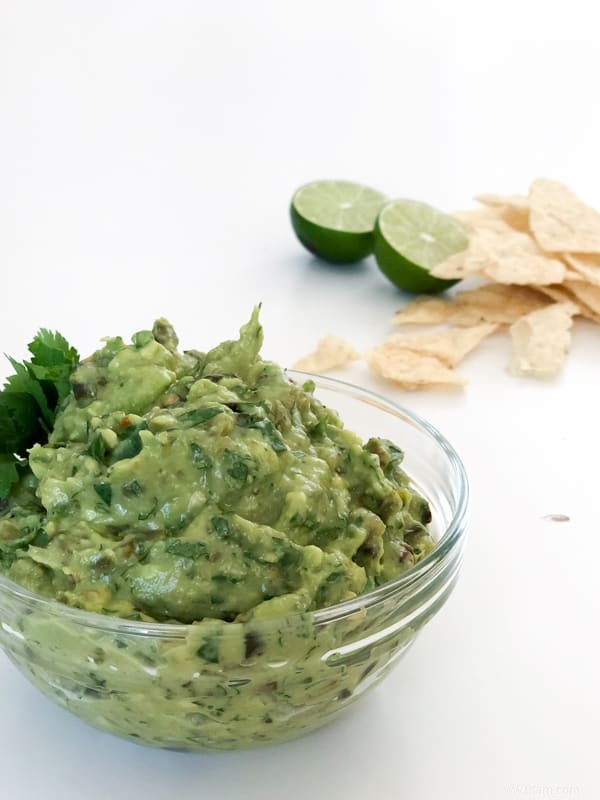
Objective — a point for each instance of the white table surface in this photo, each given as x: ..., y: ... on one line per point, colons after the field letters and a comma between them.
x: 148, y: 152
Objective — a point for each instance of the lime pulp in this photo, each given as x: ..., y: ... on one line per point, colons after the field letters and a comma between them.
x: 410, y: 239
x: 334, y: 220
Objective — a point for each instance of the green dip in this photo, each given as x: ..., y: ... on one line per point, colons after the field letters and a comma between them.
x: 176, y: 487
x: 202, y: 488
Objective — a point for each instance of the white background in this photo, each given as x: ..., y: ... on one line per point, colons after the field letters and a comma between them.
x: 148, y: 152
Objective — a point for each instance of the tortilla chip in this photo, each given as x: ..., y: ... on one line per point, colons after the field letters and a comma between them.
x: 331, y: 352
x: 494, y: 302
x: 515, y: 257
x: 571, y: 275
x: 497, y: 303
x: 509, y: 243
x: 561, y: 294
x: 472, y: 260
x: 560, y: 221
x: 424, y: 311
x: 460, y: 265
x: 449, y: 346
x: 586, y: 294
x: 411, y: 370
x: 587, y: 267
x: 525, y: 269
x: 541, y: 341
x: 558, y: 293
x: 506, y: 257
x: 541, y: 254
x: 513, y: 209
x: 517, y: 201
x: 482, y: 218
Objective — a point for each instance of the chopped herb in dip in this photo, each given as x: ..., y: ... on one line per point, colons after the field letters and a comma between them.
x: 168, y: 486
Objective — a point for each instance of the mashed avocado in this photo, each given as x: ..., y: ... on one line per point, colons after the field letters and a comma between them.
x: 206, y: 488
x: 186, y: 486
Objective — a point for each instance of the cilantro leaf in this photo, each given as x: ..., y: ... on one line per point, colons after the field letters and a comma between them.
x: 48, y: 348
x: 198, y: 416
x: 266, y: 427
x: 104, y: 491
x: 8, y: 473
x: 23, y: 381
x: 20, y: 426
x: 52, y: 363
x: 130, y: 443
x: 30, y: 399
x: 185, y: 549
x: 97, y: 448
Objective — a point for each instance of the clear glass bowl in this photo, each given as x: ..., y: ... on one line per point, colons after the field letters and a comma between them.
x: 224, y: 686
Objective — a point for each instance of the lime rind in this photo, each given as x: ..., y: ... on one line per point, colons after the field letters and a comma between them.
x: 410, y: 239
x: 404, y: 274
x: 334, y: 220
x: 421, y: 233
x: 337, y: 247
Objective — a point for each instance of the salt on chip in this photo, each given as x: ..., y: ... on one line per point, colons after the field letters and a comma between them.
x: 331, y: 352
x: 541, y: 341
x: 411, y: 370
x: 560, y: 221
x: 449, y: 346
x: 587, y: 267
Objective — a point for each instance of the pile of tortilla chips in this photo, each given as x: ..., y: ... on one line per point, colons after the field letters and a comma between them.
x: 539, y: 260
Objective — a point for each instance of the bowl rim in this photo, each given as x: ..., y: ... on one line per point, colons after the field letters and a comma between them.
x: 447, y: 543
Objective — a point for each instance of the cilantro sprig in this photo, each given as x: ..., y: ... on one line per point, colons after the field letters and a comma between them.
x: 30, y: 399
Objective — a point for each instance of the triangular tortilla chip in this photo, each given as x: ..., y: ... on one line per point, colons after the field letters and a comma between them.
x: 511, y: 208
x: 411, y: 370
x: 587, y: 267
x: 541, y: 341
x: 331, y: 352
x: 450, y: 346
x: 560, y: 221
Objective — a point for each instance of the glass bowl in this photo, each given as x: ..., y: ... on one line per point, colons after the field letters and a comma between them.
x: 224, y: 686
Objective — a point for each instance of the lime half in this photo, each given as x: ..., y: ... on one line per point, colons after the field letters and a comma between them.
x: 335, y: 219
x: 410, y: 239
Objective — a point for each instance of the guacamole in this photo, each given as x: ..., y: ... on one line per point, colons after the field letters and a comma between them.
x: 211, y: 489
x: 185, y: 486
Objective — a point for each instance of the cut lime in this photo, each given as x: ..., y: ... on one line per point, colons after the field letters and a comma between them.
x: 335, y: 219
x: 410, y: 239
